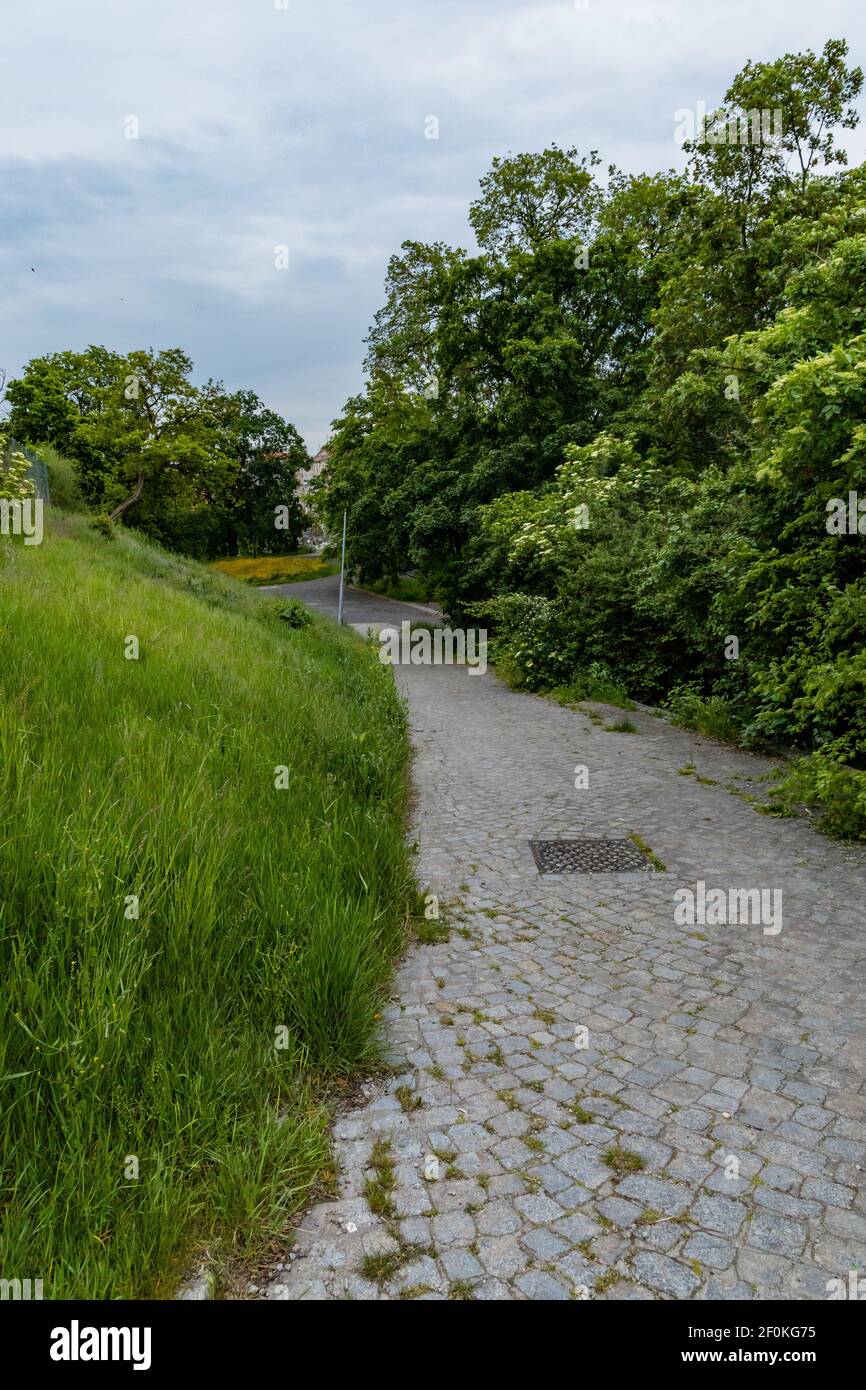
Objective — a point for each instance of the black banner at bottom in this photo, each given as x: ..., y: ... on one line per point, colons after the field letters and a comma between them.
x: 160, y: 1340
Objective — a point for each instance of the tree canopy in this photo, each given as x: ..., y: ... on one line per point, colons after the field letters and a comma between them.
x: 200, y: 468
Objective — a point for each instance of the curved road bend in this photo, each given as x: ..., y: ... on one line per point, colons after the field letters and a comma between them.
x: 360, y: 607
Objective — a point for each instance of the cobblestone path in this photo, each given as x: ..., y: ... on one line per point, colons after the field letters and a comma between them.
x: 709, y: 1141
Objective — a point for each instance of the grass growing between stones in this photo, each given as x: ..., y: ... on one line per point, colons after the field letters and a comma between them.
x: 622, y: 1160
x: 191, y: 956
x: 379, y: 1188
x: 651, y: 855
x: 409, y: 1099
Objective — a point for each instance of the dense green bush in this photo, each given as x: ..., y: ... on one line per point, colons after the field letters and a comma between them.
x: 63, y: 485
x: 614, y: 432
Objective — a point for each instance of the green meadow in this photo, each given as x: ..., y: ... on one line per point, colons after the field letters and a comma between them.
x: 203, y: 888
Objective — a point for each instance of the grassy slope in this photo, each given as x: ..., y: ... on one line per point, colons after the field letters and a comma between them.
x: 154, y: 1038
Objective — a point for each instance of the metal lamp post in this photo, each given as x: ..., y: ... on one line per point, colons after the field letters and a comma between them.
x: 342, y: 572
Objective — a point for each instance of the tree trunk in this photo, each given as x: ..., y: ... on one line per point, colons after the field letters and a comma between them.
x: 134, y: 496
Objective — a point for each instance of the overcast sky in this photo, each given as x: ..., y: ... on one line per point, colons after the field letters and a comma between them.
x: 303, y: 125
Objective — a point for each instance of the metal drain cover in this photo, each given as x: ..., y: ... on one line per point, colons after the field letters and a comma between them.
x: 587, y: 856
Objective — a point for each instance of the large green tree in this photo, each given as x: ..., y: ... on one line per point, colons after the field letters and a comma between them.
x: 200, y: 468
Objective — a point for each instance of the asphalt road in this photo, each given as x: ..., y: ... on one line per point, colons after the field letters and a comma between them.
x: 360, y: 608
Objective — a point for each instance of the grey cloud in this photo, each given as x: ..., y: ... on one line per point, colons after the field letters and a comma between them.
x: 305, y: 127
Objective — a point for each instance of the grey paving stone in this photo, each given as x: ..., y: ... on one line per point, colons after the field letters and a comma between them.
x: 585, y: 1167
x: 719, y: 1214
x: 538, y: 1209
x: 778, y: 1235
x: 538, y: 1285
x: 830, y: 1193
x: 784, y: 1179
x: 502, y: 1256
x: 710, y: 1251
x: 577, y: 1227
x: 664, y: 1274
x: 666, y: 1197
x: 452, y: 1227
x: 543, y: 1244
x: 619, y: 1211
x: 498, y: 1219
x: 423, y: 1271
x: 460, y: 1265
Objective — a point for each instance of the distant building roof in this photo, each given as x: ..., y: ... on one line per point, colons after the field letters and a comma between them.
x: 306, y: 475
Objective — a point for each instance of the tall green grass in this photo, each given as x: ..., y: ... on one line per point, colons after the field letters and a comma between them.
x: 147, y: 1045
